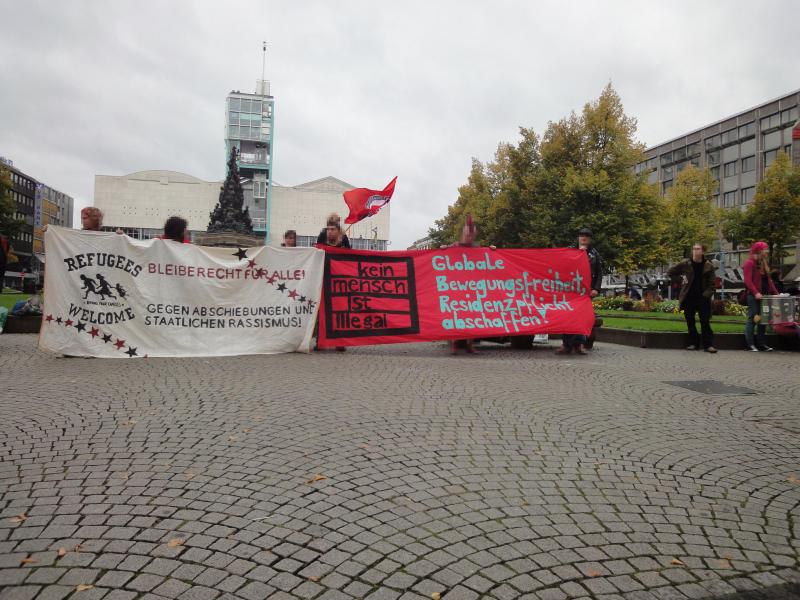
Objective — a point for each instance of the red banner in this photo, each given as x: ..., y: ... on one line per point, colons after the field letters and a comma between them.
x: 454, y: 293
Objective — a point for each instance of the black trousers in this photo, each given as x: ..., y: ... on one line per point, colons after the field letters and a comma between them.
x: 703, y: 307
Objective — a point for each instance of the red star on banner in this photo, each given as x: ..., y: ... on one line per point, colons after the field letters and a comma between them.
x: 293, y: 294
x: 119, y: 344
x: 68, y: 323
x: 48, y: 318
x: 251, y: 264
x: 94, y: 332
x: 271, y: 279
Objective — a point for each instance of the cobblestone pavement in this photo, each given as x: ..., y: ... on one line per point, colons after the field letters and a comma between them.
x: 398, y: 472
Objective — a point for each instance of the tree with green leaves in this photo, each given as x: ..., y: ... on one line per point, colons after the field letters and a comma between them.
x: 579, y: 173
x: 774, y: 215
x: 690, y: 215
x: 10, y: 226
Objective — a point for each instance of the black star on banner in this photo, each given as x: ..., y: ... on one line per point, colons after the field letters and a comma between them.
x: 59, y: 320
x: 94, y: 332
x: 106, y: 338
x: 240, y: 254
x: 281, y: 287
x: 131, y: 352
x: 80, y: 326
x: 302, y: 298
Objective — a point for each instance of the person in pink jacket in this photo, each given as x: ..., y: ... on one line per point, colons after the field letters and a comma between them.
x: 758, y: 283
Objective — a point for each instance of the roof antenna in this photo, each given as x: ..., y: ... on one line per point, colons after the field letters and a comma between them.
x: 263, y: 64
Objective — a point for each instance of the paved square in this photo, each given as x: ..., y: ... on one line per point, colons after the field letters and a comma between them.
x: 398, y: 472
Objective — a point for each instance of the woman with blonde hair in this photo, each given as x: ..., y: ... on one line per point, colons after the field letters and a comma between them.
x: 758, y: 283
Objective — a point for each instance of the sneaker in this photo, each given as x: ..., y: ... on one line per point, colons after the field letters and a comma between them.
x: 580, y: 350
x: 764, y: 349
x: 752, y: 349
x: 711, y: 350
x: 691, y: 347
x: 564, y: 350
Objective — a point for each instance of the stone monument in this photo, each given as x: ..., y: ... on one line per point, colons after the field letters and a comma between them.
x: 230, y: 225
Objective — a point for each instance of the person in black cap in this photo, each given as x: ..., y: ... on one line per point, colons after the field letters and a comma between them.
x: 577, y: 343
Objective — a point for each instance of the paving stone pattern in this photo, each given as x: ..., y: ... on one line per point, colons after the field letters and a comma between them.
x: 398, y: 472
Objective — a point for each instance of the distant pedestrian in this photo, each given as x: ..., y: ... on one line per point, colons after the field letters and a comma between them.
x: 572, y: 342
x: 697, y: 289
x: 175, y: 230
x: 323, y: 234
x: 289, y: 239
x: 758, y: 283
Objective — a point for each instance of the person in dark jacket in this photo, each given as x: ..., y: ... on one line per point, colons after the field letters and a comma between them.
x: 577, y: 343
x: 322, y: 238
x: 697, y: 289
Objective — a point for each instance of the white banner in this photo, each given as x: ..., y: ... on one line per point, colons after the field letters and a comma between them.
x: 109, y: 295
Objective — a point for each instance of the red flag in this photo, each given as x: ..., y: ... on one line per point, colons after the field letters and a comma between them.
x: 364, y: 203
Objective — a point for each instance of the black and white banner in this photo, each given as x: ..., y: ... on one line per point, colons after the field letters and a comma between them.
x: 108, y: 295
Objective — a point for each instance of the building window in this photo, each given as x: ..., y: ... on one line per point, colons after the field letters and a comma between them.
x: 652, y: 163
x: 693, y: 149
x: 747, y: 130
x: 715, y: 172
x: 679, y: 154
x: 729, y: 136
x: 666, y: 158
x: 666, y: 173
x: 681, y: 167
x: 713, y: 158
x: 712, y: 142
x: 715, y: 200
x: 259, y: 189
x: 665, y: 186
x: 729, y: 199
x: 748, y: 194
x: 789, y: 116
x: 748, y: 164
x: 695, y: 162
x: 769, y: 156
x: 730, y: 169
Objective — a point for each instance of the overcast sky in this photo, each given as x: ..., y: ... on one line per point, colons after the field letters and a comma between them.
x: 365, y: 90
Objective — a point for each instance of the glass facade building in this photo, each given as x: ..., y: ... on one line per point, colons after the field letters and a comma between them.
x: 737, y: 150
x: 249, y: 127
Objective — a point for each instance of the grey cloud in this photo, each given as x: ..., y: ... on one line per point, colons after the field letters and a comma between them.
x: 365, y: 90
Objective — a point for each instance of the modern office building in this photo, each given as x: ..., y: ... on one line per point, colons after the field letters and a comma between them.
x: 141, y: 202
x: 738, y: 150
x: 249, y: 127
x: 305, y: 209
x: 422, y: 244
x: 37, y: 204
